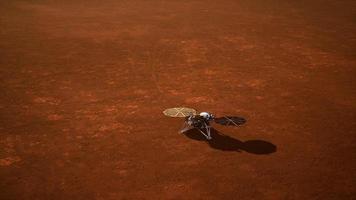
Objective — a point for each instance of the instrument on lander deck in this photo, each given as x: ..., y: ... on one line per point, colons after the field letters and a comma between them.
x: 202, y: 120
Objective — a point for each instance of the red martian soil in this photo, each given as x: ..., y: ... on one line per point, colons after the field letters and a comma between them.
x: 84, y: 83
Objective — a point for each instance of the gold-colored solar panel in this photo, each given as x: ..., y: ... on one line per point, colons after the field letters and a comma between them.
x: 179, y: 112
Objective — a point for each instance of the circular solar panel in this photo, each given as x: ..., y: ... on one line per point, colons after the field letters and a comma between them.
x: 179, y: 112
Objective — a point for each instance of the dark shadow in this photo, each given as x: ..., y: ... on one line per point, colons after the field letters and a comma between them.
x: 227, y: 143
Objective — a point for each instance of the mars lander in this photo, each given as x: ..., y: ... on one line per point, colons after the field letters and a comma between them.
x: 201, y: 121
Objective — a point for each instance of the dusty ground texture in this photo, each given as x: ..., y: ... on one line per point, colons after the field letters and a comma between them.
x: 84, y: 84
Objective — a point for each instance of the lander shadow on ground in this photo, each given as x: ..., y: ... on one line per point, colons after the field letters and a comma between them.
x: 226, y: 143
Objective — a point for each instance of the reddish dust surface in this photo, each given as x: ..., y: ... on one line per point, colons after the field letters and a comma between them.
x: 84, y: 84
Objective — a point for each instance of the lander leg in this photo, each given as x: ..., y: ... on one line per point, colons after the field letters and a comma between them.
x: 207, y: 128
x: 185, y: 127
